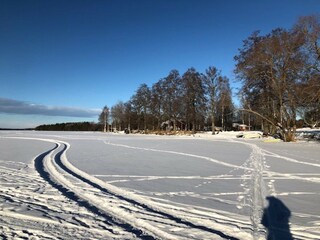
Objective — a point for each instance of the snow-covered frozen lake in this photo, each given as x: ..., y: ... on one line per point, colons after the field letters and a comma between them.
x: 75, y: 185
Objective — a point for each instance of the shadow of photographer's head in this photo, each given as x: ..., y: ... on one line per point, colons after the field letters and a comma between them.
x: 276, y: 219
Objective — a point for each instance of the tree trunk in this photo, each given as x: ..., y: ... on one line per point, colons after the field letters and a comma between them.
x: 212, y: 118
x: 222, y: 118
x: 105, y: 122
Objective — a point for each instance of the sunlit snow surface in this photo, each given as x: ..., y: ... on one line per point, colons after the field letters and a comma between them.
x: 58, y: 185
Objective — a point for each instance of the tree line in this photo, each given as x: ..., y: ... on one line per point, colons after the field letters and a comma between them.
x: 72, y: 126
x: 192, y: 101
x: 280, y: 82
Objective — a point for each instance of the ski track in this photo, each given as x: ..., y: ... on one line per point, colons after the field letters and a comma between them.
x: 147, y: 206
x: 179, y: 153
x: 253, y: 182
x: 258, y: 189
x: 31, y: 209
x: 127, y: 215
x: 257, y: 183
x: 268, y: 153
x: 255, y: 190
x: 139, y: 215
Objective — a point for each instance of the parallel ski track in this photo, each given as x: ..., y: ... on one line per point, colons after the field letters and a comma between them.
x: 109, y: 220
x: 141, y: 231
x: 169, y: 216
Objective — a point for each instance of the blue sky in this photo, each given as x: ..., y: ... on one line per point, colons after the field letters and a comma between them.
x: 62, y: 61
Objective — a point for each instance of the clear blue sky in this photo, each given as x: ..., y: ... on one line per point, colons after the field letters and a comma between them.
x: 64, y: 60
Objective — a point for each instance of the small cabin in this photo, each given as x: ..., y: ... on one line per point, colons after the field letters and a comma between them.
x: 240, y: 127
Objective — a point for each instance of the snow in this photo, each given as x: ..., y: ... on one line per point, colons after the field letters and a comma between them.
x: 67, y: 185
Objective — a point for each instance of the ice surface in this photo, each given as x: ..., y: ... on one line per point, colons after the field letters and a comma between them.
x: 109, y: 186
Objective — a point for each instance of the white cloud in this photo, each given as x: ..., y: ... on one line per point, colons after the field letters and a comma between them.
x: 12, y: 106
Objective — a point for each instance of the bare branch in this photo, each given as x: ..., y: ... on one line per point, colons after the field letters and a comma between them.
x: 258, y: 114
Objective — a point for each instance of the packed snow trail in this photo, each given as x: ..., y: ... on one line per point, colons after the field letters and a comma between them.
x: 54, y: 167
x: 256, y: 189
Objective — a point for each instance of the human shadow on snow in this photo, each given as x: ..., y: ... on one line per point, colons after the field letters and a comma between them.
x: 275, y: 218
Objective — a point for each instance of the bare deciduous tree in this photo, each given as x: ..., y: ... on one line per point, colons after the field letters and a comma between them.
x: 104, y: 118
x: 224, y: 102
x: 118, y: 114
x: 193, y: 97
x: 211, y: 83
x: 276, y: 69
x: 141, y: 101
